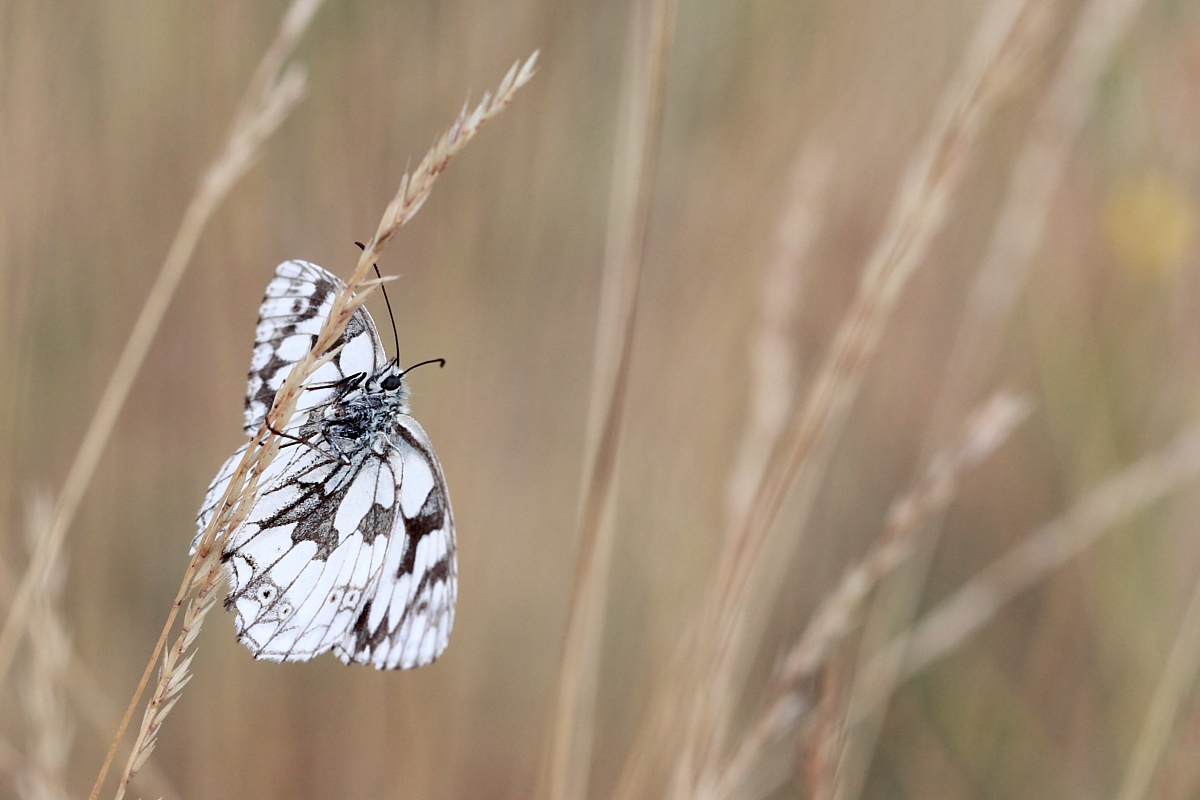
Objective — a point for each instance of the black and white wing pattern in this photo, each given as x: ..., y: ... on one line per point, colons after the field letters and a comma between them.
x: 350, y: 546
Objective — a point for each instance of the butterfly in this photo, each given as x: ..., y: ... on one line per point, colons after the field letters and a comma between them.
x: 350, y: 544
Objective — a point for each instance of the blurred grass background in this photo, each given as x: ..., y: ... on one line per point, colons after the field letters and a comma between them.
x: 110, y: 111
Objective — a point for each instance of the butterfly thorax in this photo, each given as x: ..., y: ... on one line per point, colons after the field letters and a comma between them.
x: 363, y: 414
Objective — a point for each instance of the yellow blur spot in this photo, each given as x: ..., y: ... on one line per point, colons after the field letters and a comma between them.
x: 1149, y: 221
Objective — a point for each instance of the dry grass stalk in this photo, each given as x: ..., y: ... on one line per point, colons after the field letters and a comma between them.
x: 203, y: 574
x: 174, y: 674
x: 841, y: 611
x: 88, y: 699
x: 986, y: 430
x: 1011, y: 31
x: 955, y: 619
x: 1001, y: 45
x: 772, y: 357
x: 821, y: 742
x: 270, y: 97
x: 262, y: 111
x: 634, y: 170
x: 1178, y: 773
x: 42, y: 776
x: 1036, y: 174
x: 101, y: 714
x: 1178, y: 677
x: 416, y: 186
x: 944, y: 629
x: 1021, y: 223
x: 772, y: 392
x: 714, y: 648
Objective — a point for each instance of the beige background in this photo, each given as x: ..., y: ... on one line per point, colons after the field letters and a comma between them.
x: 109, y: 112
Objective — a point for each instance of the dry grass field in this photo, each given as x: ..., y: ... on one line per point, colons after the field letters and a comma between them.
x: 818, y: 409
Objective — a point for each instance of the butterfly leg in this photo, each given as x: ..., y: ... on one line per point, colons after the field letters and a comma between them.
x: 341, y: 383
x: 297, y: 440
x: 342, y: 456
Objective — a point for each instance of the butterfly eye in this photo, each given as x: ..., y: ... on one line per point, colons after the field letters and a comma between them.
x: 335, y: 597
x: 352, y: 597
x: 285, y: 610
x: 266, y: 594
x: 391, y: 383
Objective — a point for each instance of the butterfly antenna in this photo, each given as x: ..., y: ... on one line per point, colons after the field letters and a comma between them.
x: 441, y: 362
x: 388, y: 303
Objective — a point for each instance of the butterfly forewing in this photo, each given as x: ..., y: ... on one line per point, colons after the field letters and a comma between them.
x: 294, y: 308
x: 350, y: 544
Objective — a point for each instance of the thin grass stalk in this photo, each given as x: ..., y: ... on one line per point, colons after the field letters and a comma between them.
x: 821, y: 739
x: 43, y: 776
x: 144, y: 681
x: 772, y: 386
x: 1000, y: 46
x: 772, y: 353
x: 634, y: 172
x: 1004, y: 42
x: 1178, y: 773
x: 1178, y: 677
x: 772, y: 357
x: 261, y: 113
x: 88, y: 699
x: 269, y: 98
x: 948, y: 625
x: 1001, y: 276
x: 203, y: 574
x: 101, y: 714
x: 840, y: 613
x: 173, y: 675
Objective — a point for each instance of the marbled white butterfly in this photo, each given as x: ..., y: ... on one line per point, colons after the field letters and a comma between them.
x: 350, y: 545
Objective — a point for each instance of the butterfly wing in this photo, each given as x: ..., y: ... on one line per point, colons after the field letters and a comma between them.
x: 303, y: 561
x: 215, y: 491
x: 406, y: 620
x: 356, y: 557
x: 294, y: 308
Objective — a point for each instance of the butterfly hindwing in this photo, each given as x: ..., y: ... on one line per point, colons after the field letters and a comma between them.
x: 407, y: 621
x: 215, y: 490
x: 299, y: 568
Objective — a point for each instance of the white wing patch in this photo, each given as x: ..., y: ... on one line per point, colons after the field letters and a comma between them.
x: 350, y: 545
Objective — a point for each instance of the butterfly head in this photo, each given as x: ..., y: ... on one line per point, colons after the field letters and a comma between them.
x: 388, y: 383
